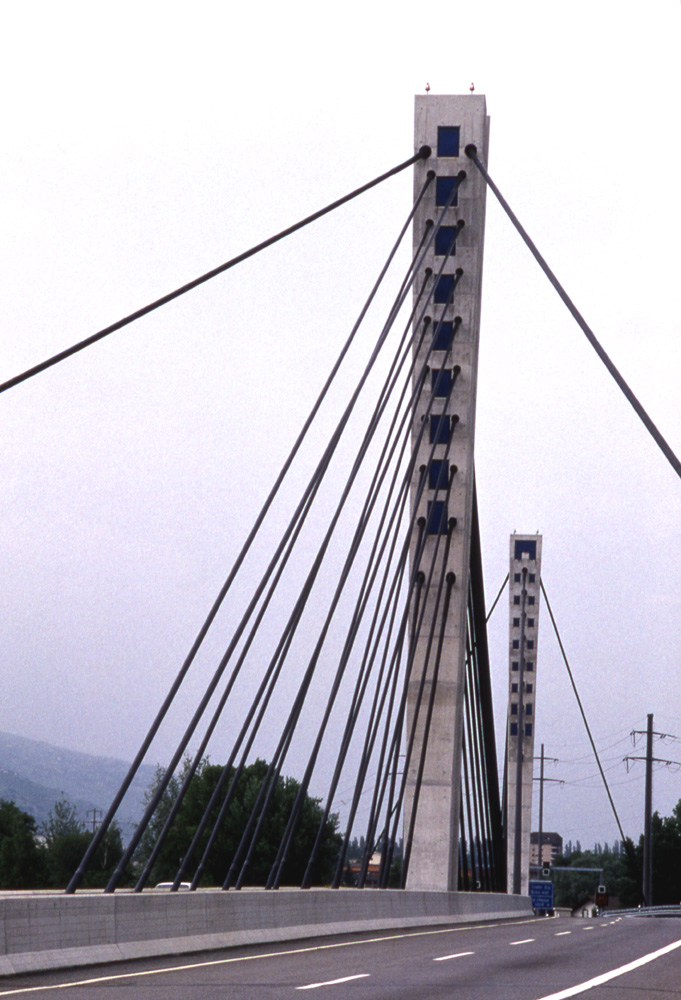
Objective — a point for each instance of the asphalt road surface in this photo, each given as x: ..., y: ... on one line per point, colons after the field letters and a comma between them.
x: 538, y: 959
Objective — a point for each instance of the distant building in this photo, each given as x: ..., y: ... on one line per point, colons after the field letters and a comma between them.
x: 552, y: 847
x: 372, y: 873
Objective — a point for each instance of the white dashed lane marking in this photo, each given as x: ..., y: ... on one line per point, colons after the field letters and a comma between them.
x: 334, y: 982
x: 459, y: 954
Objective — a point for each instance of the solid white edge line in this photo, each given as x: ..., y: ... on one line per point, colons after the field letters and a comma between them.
x: 572, y: 991
x: 459, y: 954
x: 334, y: 982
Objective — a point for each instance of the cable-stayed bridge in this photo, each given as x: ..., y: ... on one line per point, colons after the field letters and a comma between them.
x: 413, y: 553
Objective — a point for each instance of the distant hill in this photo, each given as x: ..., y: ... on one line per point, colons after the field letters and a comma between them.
x: 35, y: 775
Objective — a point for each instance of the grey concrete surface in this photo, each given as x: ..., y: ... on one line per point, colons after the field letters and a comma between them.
x: 433, y: 861
x: 42, y: 931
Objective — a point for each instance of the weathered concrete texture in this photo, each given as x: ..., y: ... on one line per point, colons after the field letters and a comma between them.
x: 434, y: 843
x: 42, y: 931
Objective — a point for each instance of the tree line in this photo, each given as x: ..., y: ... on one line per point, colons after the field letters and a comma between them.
x: 623, y: 867
x: 45, y: 856
x: 36, y: 856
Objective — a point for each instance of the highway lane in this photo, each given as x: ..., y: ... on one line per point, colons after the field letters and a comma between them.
x: 537, y: 959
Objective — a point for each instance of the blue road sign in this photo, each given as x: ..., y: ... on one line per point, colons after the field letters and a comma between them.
x: 541, y: 894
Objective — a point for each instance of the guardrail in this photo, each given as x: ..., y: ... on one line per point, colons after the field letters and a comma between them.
x: 649, y: 911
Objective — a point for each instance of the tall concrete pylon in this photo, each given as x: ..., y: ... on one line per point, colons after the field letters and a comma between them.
x: 524, y: 592
x: 447, y: 124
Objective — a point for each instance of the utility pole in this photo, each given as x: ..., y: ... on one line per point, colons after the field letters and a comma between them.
x: 648, y: 819
x: 542, y: 779
x: 94, y: 818
x: 647, y: 887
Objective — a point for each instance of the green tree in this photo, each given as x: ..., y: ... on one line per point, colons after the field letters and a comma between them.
x: 227, y: 841
x: 666, y: 837
x: 66, y: 840
x: 21, y: 860
x: 571, y: 888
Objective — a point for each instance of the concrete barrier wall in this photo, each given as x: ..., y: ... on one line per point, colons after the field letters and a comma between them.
x: 41, y: 931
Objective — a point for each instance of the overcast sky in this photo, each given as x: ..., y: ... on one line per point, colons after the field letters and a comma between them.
x: 146, y: 143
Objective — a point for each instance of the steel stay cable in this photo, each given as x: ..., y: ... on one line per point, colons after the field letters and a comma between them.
x: 277, y: 868
x: 432, y: 235
x: 380, y: 693
x: 260, y: 703
x: 581, y: 709
x: 163, y: 710
x: 277, y: 763
x: 220, y: 817
x: 484, y: 681
x: 479, y: 753
x: 471, y: 738
x: 405, y: 485
x: 203, y: 704
x: 295, y: 617
x: 216, y: 715
x: 465, y: 803
x: 431, y: 638
x: 302, y: 693
x: 115, y: 878
x: 373, y: 640
x: 463, y: 854
x: 662, y: 444
x: 362, y: 680
x: 465, y: 808
x: 484, y: 687
x: 373, y: 564
x: 361, y: 605
x: 386, y: 692
x: 371, y: 736
x: 298, y: 704
x: 372, y: 841
x: 371, y: 572
x: 423, y: 154
x: 496, y: 599
x: 450, y: 581
x: 219, y: 820
x: 396, y: 308
x: 393, y: 673
x: 391, y: 810
x: 394, y: 747
x: 295, y: 525
x: 372, y: 822
x: 472, y: 715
